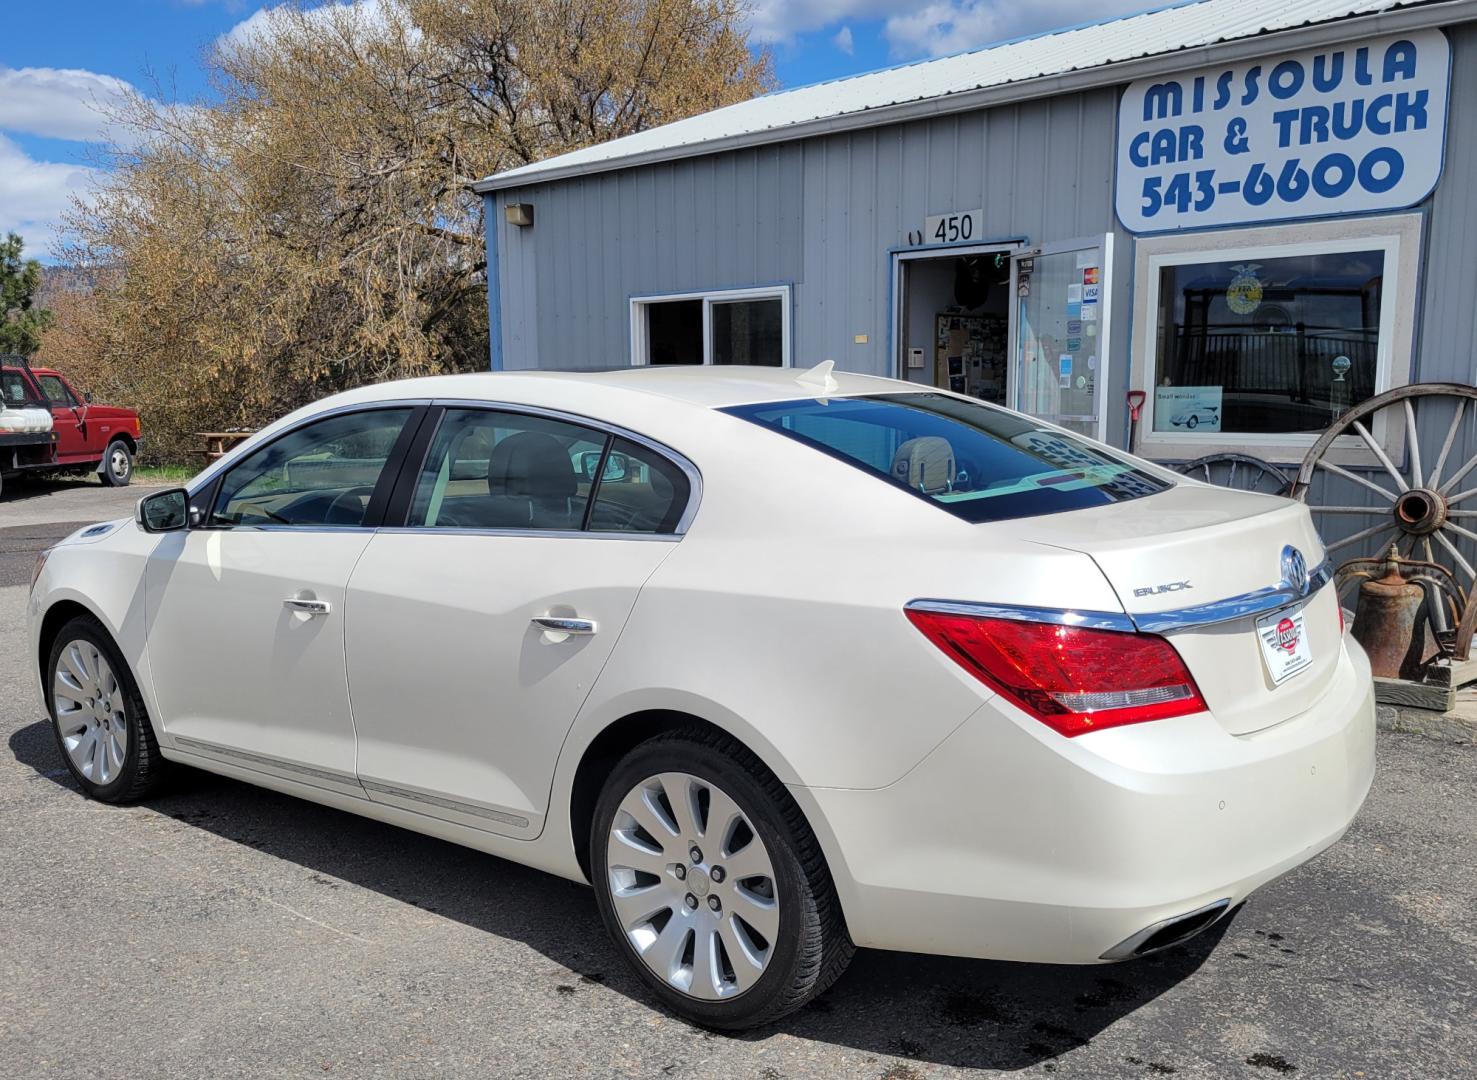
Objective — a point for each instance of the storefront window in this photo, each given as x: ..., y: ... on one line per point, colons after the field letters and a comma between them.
x: 748, y: 332
x: 1275, y: 344
x: 735, y: 326
x: 675, y: 332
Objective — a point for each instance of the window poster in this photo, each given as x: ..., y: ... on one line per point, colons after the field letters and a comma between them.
x: 1187, y: 408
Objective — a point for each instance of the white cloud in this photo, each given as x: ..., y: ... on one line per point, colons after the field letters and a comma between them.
x: 370, y: 14
x: 34, y: 194
x: 933, y: 29
x: 781, y: 20
x: 58, y: 103
x: 843, y: 41
x: 955, y: 25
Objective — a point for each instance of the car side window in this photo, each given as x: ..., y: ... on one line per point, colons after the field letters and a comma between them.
x: 641, y: 491
x: 55, y: 390
x: 324, y: 473
x: 490, y: 469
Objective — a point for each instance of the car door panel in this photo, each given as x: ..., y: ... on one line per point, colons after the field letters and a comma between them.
x: 239, y: 674
x: 245, y: 615
x: 460, y: 701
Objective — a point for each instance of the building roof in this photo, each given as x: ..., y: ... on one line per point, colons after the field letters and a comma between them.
x: 1016, y: 69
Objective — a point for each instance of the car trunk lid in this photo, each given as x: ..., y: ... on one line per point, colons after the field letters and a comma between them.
x: 1202, y: 566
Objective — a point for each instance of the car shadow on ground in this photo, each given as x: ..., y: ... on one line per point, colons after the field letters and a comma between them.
x: 20, y: 488
x: 949, y: 1012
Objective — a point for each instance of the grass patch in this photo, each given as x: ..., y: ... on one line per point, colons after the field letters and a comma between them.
x: 163, y: 474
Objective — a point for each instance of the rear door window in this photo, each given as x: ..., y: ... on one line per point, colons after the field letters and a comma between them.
x: 977, y: 462
x: 640, y: 492
x: 488, y: 469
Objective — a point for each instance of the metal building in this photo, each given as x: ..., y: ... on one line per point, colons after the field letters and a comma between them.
x: 1259, y: 214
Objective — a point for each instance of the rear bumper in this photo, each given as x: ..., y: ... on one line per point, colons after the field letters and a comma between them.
x: 1009, y: 842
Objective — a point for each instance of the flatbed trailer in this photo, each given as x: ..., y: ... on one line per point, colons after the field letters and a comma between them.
x: 25, y: 451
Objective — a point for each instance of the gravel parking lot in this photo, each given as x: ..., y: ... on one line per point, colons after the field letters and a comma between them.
x: 224, y: 930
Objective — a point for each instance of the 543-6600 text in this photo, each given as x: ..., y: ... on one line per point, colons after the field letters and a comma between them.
x: 1330, y: 176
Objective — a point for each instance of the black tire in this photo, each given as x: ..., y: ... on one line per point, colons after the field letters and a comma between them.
x: 143, y: 767
x: 1193, y: 422
x: 117, y: 466
x: 812, y: 948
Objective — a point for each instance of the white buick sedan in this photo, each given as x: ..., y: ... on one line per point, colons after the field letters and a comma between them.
x: 782, y: 663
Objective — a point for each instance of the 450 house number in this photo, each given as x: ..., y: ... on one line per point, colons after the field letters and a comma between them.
x: 960, y: 227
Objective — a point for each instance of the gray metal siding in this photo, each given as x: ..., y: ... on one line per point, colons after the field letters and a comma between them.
x: 710, y: 223
x: 820, y: 214
x: 1447, y: 346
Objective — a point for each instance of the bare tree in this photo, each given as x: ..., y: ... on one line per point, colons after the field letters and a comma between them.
x: 314, y: 227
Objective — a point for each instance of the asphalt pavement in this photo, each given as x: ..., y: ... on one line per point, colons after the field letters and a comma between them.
x: 36, y: 513
x: 223, y: 930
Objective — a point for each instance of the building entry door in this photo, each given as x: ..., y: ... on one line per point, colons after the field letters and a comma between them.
x: 952, y: 319
x: 1059, y: 335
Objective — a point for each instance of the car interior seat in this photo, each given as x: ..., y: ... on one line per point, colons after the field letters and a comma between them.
x: 925, y: 464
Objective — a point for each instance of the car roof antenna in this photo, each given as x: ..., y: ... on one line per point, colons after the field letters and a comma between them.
x: 820, y: 376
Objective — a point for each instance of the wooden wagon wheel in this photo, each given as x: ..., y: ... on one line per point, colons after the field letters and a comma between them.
x: 1424, y: 505
x: 1240, y: 471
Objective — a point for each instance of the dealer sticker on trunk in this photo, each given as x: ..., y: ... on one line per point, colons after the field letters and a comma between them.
x: 1284, y: 644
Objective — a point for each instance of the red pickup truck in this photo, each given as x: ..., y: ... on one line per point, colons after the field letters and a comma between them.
x: 87, y: 438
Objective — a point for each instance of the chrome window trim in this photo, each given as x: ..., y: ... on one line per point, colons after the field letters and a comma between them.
x: 203, y: 481
x: 531, y: 534
x: 694, y: 476
x: 1246, y: 605
x: 1092, y: 620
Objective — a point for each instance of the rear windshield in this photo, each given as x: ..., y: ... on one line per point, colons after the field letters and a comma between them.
x: 976, y: 462
x: 15, y: 389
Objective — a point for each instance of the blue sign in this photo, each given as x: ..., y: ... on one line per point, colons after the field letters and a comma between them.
x: 1341, y: 129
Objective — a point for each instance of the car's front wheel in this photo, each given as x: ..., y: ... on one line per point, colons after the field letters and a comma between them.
x: 712, y: 884
x: 117, y: 464
x: 98, y: 717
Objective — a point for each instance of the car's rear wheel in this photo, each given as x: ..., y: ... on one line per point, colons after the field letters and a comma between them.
x: 101, y: 726
x: 712, y: 884
x: 117, y: 464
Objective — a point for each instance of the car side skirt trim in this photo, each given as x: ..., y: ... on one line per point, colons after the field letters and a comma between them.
x: 443, y: 803
x: 260, y: 761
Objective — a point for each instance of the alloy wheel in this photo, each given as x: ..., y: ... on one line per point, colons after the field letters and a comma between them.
x: 90, y: 713
x: 693, y: 886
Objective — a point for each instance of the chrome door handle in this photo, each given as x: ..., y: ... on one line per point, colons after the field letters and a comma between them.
x: 556, y: 625
x: 308, y: 607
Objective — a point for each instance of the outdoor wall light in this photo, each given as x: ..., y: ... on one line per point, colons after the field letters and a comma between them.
x: 520, y: 214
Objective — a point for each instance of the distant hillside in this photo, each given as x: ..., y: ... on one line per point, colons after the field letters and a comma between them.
x: 59, y: 279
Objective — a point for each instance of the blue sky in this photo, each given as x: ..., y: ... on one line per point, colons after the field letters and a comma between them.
x: 59, y: 58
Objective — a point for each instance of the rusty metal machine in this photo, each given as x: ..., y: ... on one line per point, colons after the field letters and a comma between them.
x: 1393, y: 619
x: 1415, y: 622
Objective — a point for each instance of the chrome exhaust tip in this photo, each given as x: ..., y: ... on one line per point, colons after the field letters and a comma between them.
x: 1167, y: 932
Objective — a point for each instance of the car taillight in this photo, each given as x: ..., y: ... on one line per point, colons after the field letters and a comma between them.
x: 1071, y: 678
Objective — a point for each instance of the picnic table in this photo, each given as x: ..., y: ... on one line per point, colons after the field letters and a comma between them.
x: 218, y: 443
